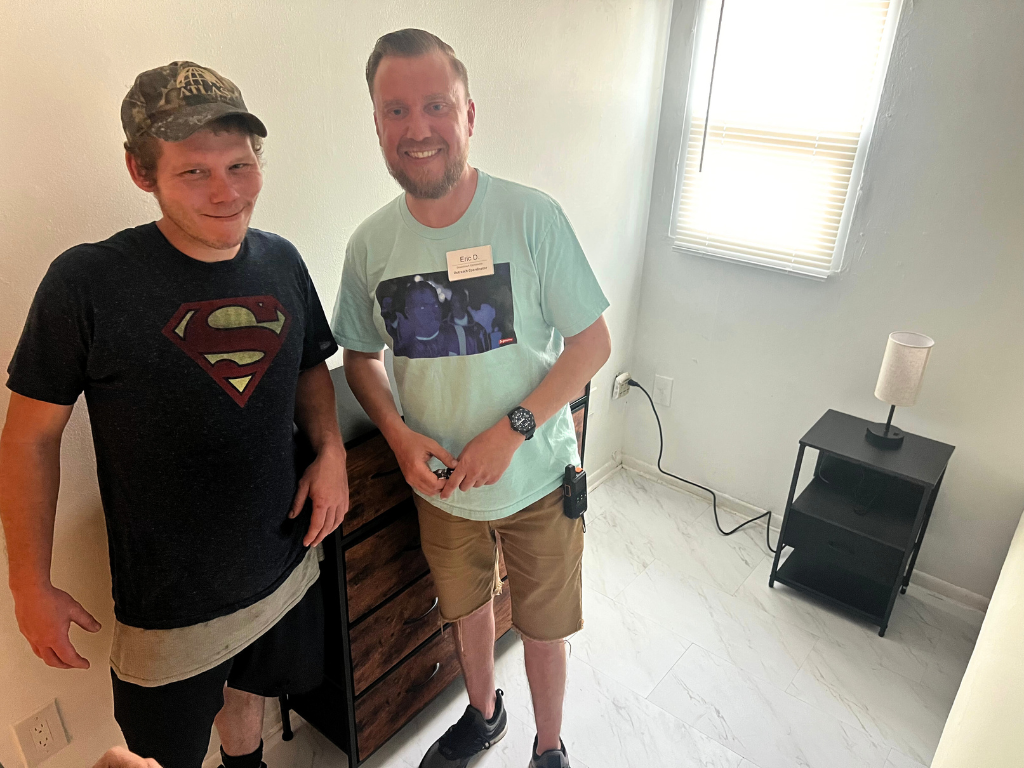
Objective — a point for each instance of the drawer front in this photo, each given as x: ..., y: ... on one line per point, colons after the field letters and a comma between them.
x: 384, y: 564
x: 375, y: 482
x: 384, y: 637
x: 401, y: 694
x: 847, y: 550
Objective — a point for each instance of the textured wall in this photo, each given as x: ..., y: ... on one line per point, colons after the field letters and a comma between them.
x: 567, y: 99
x: 936, y: 246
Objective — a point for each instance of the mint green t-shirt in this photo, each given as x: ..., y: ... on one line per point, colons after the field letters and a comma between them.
x: 466, y: 352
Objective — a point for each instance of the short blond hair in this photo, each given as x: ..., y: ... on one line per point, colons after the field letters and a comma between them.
x: 407, y: 43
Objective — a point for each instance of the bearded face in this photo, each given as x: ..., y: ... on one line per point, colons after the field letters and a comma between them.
x: 428, y: 181
x: 424, y: 119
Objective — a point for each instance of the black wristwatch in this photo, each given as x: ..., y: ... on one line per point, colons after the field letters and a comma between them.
x: 522, y: 421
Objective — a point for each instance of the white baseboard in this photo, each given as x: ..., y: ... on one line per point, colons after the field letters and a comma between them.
x: 952, y: 591
x: 602, y: 473
x: 748, y: 511
x: 739, y: 507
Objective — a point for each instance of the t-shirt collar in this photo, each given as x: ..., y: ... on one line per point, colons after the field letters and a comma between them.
x: 153, y: 231
x: 442, y: 233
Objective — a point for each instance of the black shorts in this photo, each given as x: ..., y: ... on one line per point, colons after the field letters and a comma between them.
x: 171, y: 723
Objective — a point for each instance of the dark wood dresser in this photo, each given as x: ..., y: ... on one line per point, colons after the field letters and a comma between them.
x: 388, y: 653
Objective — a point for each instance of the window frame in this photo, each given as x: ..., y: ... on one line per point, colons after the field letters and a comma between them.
x: 886, y: 47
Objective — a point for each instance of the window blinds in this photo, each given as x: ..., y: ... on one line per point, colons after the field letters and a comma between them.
x: 795, y: 90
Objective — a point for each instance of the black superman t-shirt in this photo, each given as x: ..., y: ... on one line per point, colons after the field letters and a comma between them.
x: 189, y: 371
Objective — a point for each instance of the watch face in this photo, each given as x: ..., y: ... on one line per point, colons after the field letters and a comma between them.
x: 522, y: 420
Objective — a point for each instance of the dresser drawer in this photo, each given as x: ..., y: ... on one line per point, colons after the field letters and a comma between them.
x: 375, y: 482
x: 402, y: 693
x: 844, y: 549
x: 384, y: 637
x: 384, y: 564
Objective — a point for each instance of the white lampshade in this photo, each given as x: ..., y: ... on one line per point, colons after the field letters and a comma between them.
x: 906, y: 355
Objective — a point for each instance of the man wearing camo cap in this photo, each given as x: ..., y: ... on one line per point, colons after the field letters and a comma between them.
x: 198, y: 343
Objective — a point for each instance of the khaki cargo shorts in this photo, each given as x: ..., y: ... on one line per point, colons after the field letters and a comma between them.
x: 543, y: 552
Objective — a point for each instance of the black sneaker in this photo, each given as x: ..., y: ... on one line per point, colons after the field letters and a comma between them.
x: 553, y: 758
x: 224, y: 759
x: 468, y: 737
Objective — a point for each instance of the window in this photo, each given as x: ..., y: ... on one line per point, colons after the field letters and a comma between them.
x: 789, y: 89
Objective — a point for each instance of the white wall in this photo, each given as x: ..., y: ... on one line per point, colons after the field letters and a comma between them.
x: 567, y: 100
x: 936, y: 246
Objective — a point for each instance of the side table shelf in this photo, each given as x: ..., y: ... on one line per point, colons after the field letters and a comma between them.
x: 855, y: 530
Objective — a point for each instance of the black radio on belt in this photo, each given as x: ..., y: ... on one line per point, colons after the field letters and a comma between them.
x: 574, y: 492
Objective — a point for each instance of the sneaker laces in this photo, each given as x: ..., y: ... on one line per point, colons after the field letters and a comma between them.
x: 463, y: 739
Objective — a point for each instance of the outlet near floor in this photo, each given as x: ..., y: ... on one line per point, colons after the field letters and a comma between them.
x: 41, y: 735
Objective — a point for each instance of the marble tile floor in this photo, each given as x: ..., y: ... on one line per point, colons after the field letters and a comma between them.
x: 688, y: 659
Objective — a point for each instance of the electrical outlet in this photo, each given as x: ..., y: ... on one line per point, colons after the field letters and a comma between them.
x: 662, y: 390
x: 41, y: 735
x: 621, y: 386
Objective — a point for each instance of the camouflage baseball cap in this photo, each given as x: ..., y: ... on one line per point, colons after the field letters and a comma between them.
x: 175, y: 101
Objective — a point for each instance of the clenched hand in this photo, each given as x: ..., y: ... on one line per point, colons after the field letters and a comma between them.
x: 484, y: 459
x: 413, y: 452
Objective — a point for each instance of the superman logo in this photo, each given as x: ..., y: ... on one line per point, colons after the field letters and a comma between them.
x: 233, y: 340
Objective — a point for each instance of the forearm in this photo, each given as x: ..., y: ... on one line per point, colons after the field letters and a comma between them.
x: 582, y: 357
x: 315, y: 410
x: 368, y: 379
x: 29, y: 480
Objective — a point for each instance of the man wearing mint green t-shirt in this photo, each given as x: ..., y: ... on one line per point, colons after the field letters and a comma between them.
x: 482, y: 291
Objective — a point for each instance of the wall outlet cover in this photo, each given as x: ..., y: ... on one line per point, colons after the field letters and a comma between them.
x: 621, y: 386
x: 662, y: 390
x: 41, y: 735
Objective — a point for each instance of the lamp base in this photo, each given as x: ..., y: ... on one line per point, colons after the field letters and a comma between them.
x: 890, y: 440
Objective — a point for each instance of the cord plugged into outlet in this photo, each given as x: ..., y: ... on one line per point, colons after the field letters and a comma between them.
x: 714, y: 496
x: 621, y: 386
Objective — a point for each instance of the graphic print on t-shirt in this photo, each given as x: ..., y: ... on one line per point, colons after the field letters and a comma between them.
x: 234, y: 340
x: 428, y: 315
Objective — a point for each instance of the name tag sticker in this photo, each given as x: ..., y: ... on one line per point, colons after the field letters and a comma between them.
x: 470, y: 262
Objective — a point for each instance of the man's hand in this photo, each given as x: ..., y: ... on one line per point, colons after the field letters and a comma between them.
x: 368, y: 379
x: 413, y: 451
x: 44, y: 618
x: 119, y: 757
x: 325, y: 482
x: 484, y: 459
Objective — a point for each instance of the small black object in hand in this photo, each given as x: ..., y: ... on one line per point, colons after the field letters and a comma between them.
x: 443, y: 474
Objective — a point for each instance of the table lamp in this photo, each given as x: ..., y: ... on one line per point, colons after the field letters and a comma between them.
x: 899, y: 381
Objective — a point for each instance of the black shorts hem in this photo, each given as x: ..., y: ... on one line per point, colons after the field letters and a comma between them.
x: 171, y: 723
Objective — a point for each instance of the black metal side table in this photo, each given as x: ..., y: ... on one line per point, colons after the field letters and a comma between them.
x: 857, y: 527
